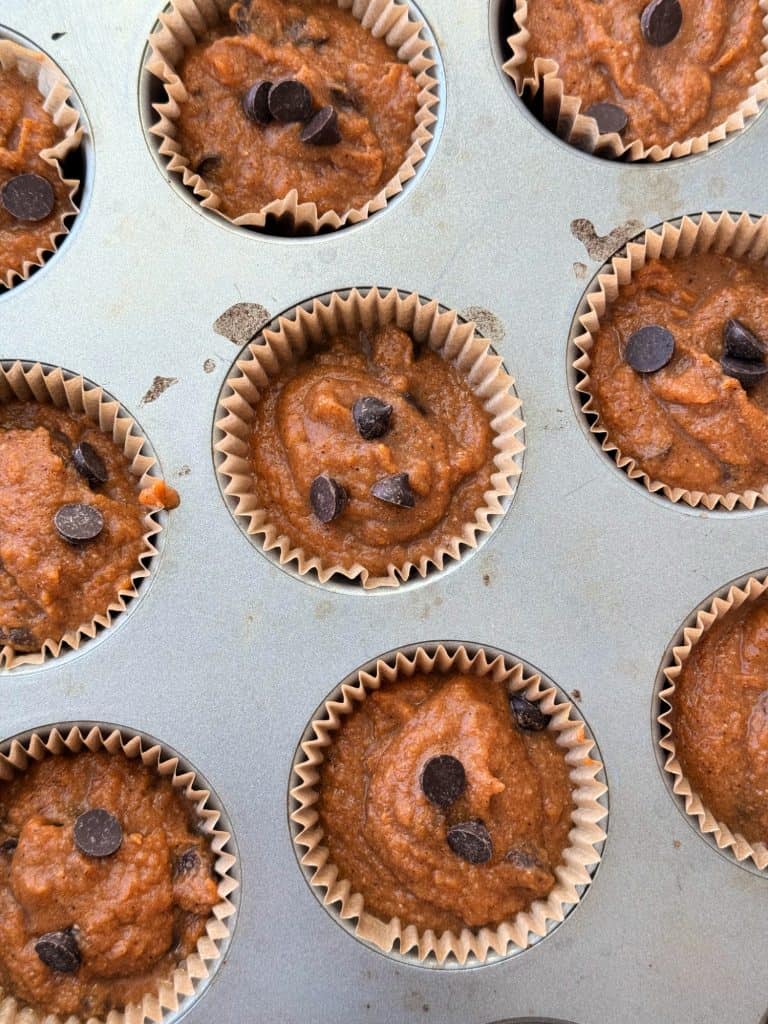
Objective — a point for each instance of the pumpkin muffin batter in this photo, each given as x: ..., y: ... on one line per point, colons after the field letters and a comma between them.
x: 249, y: 157
x: 691, y: 424
x: 115, y: 923
x: 405, y: 851
x: 26, y: 129
x: 397, y: 487
x: 52, y: 582
x: 670, y: 91
x: 720, y: 720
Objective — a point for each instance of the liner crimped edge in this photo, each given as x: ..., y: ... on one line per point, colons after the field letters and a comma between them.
x: 56, y: 91
x: 289, y: 340
x: 561, y: 112
x: 725, y: 839
x: 736, y: 235
x: 187, y: 21
x: 586, y: 837
x: 171, y: 992
x: 74, y: 393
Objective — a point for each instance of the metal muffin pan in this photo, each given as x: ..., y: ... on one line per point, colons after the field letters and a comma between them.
x: 225, y: 657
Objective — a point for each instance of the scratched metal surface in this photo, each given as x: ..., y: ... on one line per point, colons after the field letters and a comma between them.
x: 225, y: 657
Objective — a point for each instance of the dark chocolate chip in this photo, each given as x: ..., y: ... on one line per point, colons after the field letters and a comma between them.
x: 443, y: 780
x: 741, y: 343
x: 327, y: 498
x: 650, y: 348
x: 323, y: 129
x: 89, y: 464
x: 528, y: 715
x: 59, y: 951
x: 661, y: 21
x: 256, y: 102
x: 28, y: 197
x: 9, y: 845
x: 290, y: 100
x: 411, y: 399
x: 371, y: 417
x: 207, y: 164
x: 98, y: 833
x: 395, y: 489
x: 77, y: 523
x: 18, y: 637
x: 610, y: 117
x: 343, y: 98
x: 523, y: 858
x: 470, y: 841
x: 746, y: 372
x: 188, y: 861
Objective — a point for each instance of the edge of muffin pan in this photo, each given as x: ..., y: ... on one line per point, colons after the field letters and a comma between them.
x: 660, y: 707
x: 94, y: 734
x: 149, y: 561
x: 502, y: 25
x: 338, y: 582
x: 151, y: 91
x: 303, y: 848
x: 78, y: 166
x: 597, y: 438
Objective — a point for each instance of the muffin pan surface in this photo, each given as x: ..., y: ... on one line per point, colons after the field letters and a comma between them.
x: 226, y: 657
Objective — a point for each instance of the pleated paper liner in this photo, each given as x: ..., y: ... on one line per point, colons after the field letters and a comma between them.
x: 56, y: 91
x: 289, y: 340
x: 736, y: 235
x: 580, y: 858
x: 187, y: 21
x: 172, y: 992
x: 732, y: 842
x: 59, y: 387
x: 561, y: 113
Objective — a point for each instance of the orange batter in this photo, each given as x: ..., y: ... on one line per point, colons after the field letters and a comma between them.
x: 315, y: 42
x: 671, y: 92
x: 389, y: 840
x: 136, y: 914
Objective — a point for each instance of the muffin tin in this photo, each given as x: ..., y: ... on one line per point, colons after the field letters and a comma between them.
x: 225, y: 658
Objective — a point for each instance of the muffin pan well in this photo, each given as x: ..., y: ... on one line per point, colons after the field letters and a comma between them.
x: 226, y: 658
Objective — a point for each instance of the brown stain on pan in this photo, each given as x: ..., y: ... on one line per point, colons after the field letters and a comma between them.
x: 602, y: 247
x: 157, y: 388
x: 242, y: 322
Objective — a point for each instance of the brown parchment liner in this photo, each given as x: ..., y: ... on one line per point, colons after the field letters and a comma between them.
x: 187, y: 21
x: 274, y: 349
x: 55, y: 386
x: 736, y: 235
x: 171, y: 992
x: 561, y: 112
x: 56, y: 90
x: 572, y: 874
x: 707, y: 823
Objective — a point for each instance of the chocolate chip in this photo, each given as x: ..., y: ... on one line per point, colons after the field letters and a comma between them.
x: 290, y: 100
x: 256, y: 102
x: 528, y: 715
x: 98, y: 833
x: 59, y: 951
x: 523, y: 858
x: 89, y: 464
x: 411, y: 399
x: 443, y: 780
x: 302, y: 33
x: 395, y: 489
x: 660, y: 21
x: 323, y: 129
x: 18, y: 637
x: 28, y: 197
x: 470, y: 841
x: 746, y: 372
x: 650, y: 348
x: 741, y: 343
x: 327, y: 498
x: 9, y: 845
x: 188, y: 861
x: 343, y: 98
x: 77, y: 523
x: 371, y: 417
x: 242, y: 17
x: 207, y: 164
x: 610, y: 117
